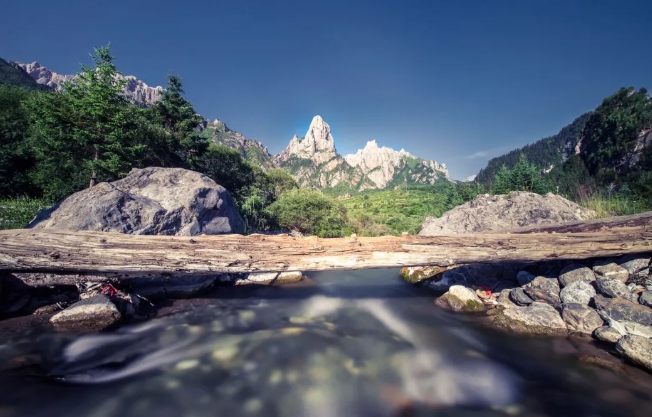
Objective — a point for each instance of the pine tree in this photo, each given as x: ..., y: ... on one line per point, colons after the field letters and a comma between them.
x: 89, y: 130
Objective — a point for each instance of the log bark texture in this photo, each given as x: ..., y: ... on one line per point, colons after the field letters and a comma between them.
x: 123, y: 256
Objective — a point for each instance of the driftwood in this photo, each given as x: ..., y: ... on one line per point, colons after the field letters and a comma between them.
x: 125, y: 256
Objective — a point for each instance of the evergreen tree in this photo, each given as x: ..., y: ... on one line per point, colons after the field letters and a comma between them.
x: 181, y: 145
x: 88, y: 131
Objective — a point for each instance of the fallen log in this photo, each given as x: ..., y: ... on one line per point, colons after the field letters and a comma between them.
x: 126, y: 256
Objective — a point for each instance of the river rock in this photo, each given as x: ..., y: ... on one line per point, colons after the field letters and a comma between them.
x: 575, y: 272
x: 645, y: 298
x: 581, y: 318
x: 487, y: 213
x: 637, y: 349
x: 620, y: 309
x: 544, y: 290
x: 288, y: 277
x: 149, y: 201
x: 520, y: 298
x: 258, y: 278
x: 524, y: 278
x: 460, y: 299
x: 577, y: 292
x: 504, y: 299
x: 637, y: 265
x: 607, y: 334
x: 606, y: 268
x: 630, y: 327
x: 539, y: 318
x: 89, y: 315
x: 415, y: 274
x: 612, y: 287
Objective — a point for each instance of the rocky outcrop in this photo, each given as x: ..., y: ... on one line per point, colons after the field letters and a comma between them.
x: 168, y: 201
x: 488, y: 213
x: 384, y: 165
x: 250, y: 149
x: 314, y: 162
x: 134, y: 89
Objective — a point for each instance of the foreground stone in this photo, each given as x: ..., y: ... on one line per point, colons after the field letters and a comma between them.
x: 636, y: 349
x: 620, y: 309
x: 460, y: 299
x: 89, y: 315
x: 612, y: 287
x: 577, y: 292
x: 637, y: 266
x: 581, y: 318
x: 520, y: 298
x: 537, y: 318
x: 608, y: 269
x: 150, y: 201
x: 270, y: 278
x: 415, y: 274
x: 575, y: 272
x: 607, y: 334
x: 544, y: 289
x: 646, y: 298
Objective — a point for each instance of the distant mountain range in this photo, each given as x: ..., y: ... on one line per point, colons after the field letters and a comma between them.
x: 313, y: 160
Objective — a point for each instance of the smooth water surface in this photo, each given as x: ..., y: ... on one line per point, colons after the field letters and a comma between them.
x: 341, y: 344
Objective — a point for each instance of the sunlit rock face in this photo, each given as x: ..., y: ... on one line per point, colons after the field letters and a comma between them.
x: 318, y: 144
x: 383, y: 164
x: 314, y: 162
x: 134, y: 89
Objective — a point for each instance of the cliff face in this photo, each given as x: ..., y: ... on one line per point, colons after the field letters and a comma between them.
x: 135, y: 89
x: 314, y: 161
x: 384, y: 165
x: 250, y: 149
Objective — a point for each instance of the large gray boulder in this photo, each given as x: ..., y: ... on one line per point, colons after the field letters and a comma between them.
x: 150, y: 201
x: 488, y: 213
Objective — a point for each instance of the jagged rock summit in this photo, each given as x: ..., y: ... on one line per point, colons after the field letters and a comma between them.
x: 314, y: 162
x: 318, y: 144
x: 383, y: 165
x: 135, y: 89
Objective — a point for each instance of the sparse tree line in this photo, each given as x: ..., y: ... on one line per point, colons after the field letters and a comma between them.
x: 53, y: 144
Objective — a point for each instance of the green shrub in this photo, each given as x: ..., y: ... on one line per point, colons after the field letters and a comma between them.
x: 310, y: 212
x: 16, y: 213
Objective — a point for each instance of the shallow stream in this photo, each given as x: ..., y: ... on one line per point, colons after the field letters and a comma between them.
x: 361, y: 343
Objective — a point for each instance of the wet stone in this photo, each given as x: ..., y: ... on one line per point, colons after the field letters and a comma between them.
x: 258, y: 278
x: 89, y: 315
x: 519, y: 297
x: 608, y: 269
x: 539, y: 318
x: 544, y: 290
x: 288, y: 277
x: 607, y: 334
x: 575, y: 272
x: 645, y: 298
x: 621, y: 309
x: 524, y: 278
x: 578, y: 292
x: 636, y: 349
x: 581, y: 318
x: 460, y: 299
x: 613, y: 288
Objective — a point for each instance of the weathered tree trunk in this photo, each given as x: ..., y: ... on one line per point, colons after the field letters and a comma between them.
x: 124, y: 256
x: 94, y: 173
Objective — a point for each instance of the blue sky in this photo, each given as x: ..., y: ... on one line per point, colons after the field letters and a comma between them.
x: 455, y: 81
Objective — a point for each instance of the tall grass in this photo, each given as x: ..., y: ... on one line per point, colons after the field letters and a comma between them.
x: 16, y: 213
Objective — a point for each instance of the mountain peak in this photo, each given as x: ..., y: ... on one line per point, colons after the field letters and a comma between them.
x: 318, y: 144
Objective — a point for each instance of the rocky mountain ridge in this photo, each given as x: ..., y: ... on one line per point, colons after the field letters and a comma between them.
x: 314, y: 161
x: 383, y: 165
x: 135, y: 89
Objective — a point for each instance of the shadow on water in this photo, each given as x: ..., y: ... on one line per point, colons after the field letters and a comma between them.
x: 346, y: 343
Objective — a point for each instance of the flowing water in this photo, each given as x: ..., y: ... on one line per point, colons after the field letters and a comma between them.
x: 342, y: 344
